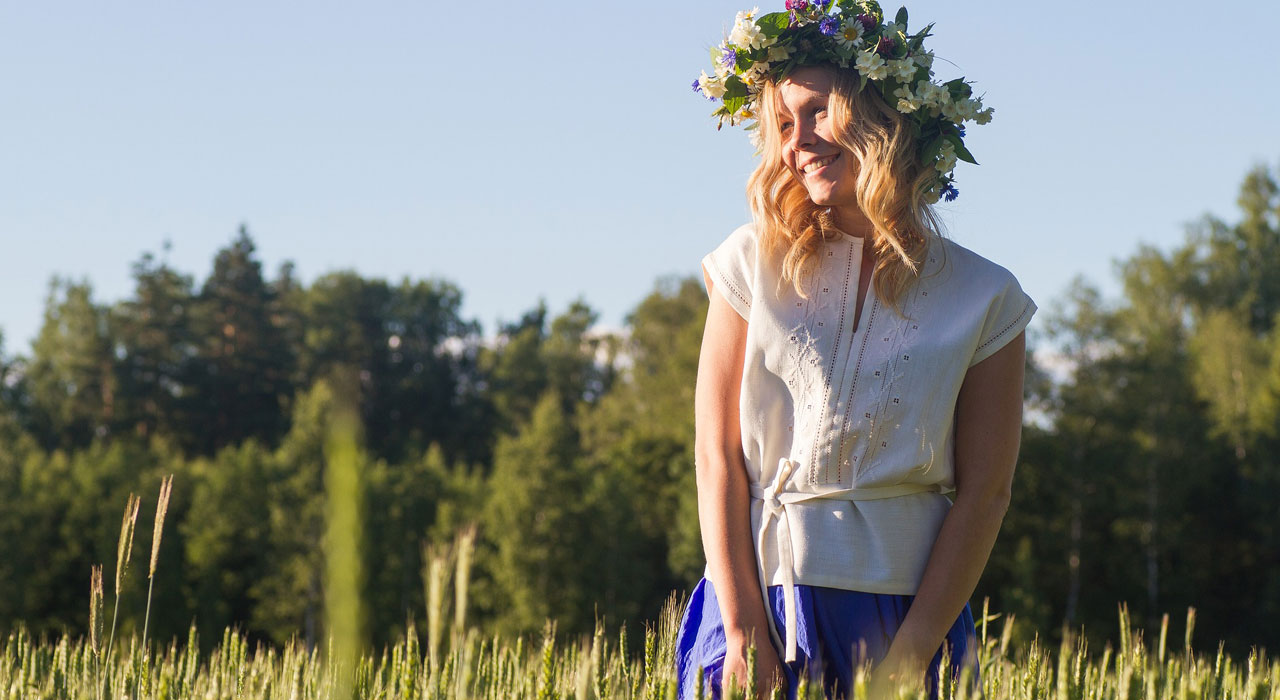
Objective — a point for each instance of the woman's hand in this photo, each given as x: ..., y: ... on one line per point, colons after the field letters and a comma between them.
x: 768, y: 668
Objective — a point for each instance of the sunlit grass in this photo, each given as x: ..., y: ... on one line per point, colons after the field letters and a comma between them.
x: 473, y: 665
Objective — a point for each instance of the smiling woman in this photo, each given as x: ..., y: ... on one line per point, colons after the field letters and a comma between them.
x: 856, y: 368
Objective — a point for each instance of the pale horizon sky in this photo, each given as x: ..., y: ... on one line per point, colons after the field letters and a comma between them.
x: 525, y: 151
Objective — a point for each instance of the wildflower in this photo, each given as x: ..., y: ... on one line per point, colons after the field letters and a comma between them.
x: 871, y: 65
x: 729, y: 59
x: 904, y: 70
x: 907, y: 102
x: 747, y: 33
x: 850, y: 35
x: 756, y: 73
x: 829, y: 26
x: 950, y: 192
x: 867, y: 21
x: 710, y: 86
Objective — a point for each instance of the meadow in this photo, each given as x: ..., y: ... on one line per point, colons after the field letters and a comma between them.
x: 477, y: 666
x: 464, y: 663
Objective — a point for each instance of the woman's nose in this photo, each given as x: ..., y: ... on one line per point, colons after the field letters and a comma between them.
x: 802, y: 134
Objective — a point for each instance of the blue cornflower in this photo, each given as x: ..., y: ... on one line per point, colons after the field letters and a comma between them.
x: 729, y: 59
x: 961, y: 128
x: 829, y: 26
x: 950, y: 192
x: 696, y: 86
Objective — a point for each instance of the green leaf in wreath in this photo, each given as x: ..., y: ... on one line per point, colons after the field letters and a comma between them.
x: 961, y: 152
x: 772, y: 24
x: 918, y: 40
x: 932, y: 150
x: 901, y: 19
x: 733, y: 104
x: 734, y: 87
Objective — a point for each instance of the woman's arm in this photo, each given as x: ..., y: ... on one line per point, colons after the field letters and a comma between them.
x: 988, y: 431
x: 723, y: 496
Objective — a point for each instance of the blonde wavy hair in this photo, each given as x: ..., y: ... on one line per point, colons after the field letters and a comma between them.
x: 891, y: 189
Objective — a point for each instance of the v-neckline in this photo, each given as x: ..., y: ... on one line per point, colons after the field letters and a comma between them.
x: 859, y: 310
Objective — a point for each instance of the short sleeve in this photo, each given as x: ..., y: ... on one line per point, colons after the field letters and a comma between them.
x: 1007, y: 316
x: 731, y: 267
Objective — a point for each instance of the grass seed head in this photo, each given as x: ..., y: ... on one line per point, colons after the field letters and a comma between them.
x: 95, y: 608
x: 124, y: 548
x: 162, y: 507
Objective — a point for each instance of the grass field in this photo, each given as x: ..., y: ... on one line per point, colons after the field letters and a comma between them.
x: 463, y: 663
x: 474, y: 666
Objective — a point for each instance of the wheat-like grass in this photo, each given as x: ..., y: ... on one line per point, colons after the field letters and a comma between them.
x: 124, y: 550
x: 162, y: 507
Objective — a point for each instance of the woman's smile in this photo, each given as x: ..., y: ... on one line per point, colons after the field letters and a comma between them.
x: 817, y: 164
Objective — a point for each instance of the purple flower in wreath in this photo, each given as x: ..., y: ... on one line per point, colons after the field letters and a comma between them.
x: 950, y: 192
x: 797, y: 5
x: 886, y: 46
x: 729, y: 59
x: 696, y: 86
x: 829, y: 26
x: 868, y: 22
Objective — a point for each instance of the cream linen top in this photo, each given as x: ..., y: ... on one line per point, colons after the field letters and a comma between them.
x: 847, y: 433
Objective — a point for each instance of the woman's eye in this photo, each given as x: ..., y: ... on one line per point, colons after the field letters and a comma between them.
x: 786, y: 126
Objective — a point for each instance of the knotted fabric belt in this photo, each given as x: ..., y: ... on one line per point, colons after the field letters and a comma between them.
x: 776, y: 499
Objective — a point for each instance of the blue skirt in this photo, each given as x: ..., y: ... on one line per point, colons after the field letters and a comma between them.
x: 836, y: 631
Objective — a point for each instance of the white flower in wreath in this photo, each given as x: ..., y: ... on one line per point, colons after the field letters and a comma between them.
x: 907, y: 102
x: 747, y: 33
x: 755, y: 75
x: 932, y: 94
x: 849, y: 36
x: 904, y: 69
x: 711, y: 86
x: 871, y: 65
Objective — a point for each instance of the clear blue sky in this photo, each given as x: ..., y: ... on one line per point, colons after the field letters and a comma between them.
x: 555, y: 150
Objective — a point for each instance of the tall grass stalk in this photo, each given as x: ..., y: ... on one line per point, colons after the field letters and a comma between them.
x: 434, y: 575
x: 95, y: 624
x: 162, y: 507
x: 464, y: 546
x: 124, y: 550
x: 344, y: 484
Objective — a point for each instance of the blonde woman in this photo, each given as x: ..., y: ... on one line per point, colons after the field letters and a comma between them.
x: 859, y: 395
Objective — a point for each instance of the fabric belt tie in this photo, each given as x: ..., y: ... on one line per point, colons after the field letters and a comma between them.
x: 776, y: 499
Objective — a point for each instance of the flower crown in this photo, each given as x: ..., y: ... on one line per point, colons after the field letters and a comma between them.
x: 769, y: 47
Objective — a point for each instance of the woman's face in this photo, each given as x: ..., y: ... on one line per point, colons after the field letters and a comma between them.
x: 827, y: 171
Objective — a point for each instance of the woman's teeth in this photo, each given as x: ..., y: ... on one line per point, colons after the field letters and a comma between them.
x: 817, y: 164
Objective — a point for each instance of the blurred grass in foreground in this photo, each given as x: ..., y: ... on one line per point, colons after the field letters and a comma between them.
x: 475, y: 666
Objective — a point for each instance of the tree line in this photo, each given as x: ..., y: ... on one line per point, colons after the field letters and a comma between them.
x: 1149, y: 470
